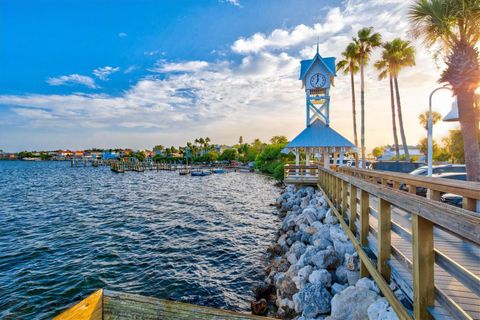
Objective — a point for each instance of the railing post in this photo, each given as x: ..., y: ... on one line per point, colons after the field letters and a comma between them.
x: 412, y: 189
x: 384, y: 238
x: 423, y: 264
x: 353, y: 208
x: 344, y: 199
x: 364, y: 227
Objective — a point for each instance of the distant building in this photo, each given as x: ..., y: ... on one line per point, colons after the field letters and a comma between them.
x: 389, y: 153
x: 110, y: 155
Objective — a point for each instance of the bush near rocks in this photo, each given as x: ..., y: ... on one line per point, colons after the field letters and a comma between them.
x: 313, y: 269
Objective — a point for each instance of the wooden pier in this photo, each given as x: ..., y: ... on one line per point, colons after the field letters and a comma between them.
x: 111, y: 305
x: 431, y: 249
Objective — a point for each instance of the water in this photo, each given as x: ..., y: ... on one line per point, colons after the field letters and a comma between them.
x: 65, y: 232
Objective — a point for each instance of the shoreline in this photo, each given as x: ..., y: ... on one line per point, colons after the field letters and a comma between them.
x: 312, y: 269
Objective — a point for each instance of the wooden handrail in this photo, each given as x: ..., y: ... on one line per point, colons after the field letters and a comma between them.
x: 426, y: 213
x: 469, y: 190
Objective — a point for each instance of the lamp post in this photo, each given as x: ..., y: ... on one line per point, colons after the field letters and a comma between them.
x: 430, y: 129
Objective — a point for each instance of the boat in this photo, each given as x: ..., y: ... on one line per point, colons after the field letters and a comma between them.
x: 200, y: 173
x: 218, y: 170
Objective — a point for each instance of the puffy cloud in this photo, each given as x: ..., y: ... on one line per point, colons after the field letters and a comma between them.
x: 72, y: 79
x: 122, y: 35
x: 103, y: 72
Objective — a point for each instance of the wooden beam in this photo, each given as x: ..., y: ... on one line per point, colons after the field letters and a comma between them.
x: 344, y: 198
x: 89, y: 308
x: 384, y: 238
x: 364, y: 227
x: 423, y: 267
x: 353, y: 208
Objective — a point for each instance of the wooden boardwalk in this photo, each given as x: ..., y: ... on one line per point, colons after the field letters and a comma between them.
x: 430, y: 249
x: 112, y: 305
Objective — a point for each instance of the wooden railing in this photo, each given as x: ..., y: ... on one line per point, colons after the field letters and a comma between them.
x: 470, y: 191
x: 344, y: 191
x: 301, y: 173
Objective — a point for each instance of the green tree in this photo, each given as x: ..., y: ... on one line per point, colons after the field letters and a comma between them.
x: 159, y: 148
x: 229, y: 154
x: 366, y: 40
x: 398, y: 54
x: 455, y: 24
x: 378, y: 151
x: 279, y: 140
x: 349, y: 65
x: 423, y: 118
x: 383, y: 66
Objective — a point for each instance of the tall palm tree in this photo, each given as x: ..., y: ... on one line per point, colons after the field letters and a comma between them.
x: 399, y: 53
x: 423, y: 118
x: 349, y: 65
x: 455, y: 25
x: 384, y: 68
x: 366, y: 40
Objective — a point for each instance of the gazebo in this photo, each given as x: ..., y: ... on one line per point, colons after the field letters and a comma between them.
x: 318, y: 141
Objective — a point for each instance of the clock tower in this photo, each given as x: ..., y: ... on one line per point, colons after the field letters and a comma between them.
x: 317, y: 76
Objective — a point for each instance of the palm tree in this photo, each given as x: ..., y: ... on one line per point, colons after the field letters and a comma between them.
x: 385, y: 70
x: 398, y: 54
x: 454, y: 24
x: 366, y: 40
x: 349, y: 65
x: 423, y: 118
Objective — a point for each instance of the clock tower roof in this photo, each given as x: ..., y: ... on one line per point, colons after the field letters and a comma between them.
x: 328, y: 62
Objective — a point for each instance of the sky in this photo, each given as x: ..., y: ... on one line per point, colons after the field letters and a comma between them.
x: 134, y: 74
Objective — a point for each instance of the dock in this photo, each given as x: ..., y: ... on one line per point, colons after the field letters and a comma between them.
x: 112, y: 305
x: 429, y: 248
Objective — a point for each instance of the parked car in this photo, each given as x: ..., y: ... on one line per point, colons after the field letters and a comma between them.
x: 437, y: 171
x: 450, y: 175
x: 453, y: 199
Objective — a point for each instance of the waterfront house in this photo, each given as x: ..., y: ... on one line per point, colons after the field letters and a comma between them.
x: 389, y: 153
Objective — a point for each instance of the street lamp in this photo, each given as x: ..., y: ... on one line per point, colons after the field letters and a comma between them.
x: 430, y: 129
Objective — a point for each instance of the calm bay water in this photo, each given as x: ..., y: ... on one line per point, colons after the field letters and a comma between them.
x: 65, y: 232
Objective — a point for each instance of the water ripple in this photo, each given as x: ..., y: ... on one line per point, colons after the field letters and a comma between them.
x: 65, y: 232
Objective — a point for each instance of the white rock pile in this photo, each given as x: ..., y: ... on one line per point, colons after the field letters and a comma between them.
x: 313, y: 268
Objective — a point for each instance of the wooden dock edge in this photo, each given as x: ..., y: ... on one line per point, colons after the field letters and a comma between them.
x: 109, y: 305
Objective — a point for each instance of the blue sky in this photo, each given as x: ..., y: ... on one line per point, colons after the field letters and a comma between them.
x: 79, y: 74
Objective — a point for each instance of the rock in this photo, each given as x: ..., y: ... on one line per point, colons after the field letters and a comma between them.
x: 317, y: 225
x: 289, y: 221
x: 275, y: 249
x: 259, y: 307
x: 312, y: 300
x: 352, y: 277
x: 307, y: 256
x: 286, y: 285
x: 381, y: 310
x: 282, y: 241
x: 302, y: 276
x: 341, y: 275
x: 337, y: 234
x: 352, y: 303
x: 353, y: 262
x: 263, y: 291
x: 337, y: 287
x: 367, y: 284
x: 292, y: 259
x: 330, y: 220
x: 343, y: 247
x: 322, y: 277
x: 322, y: 243
x: 321, y: 212
x: 310, y: 214
x: 326, y: 259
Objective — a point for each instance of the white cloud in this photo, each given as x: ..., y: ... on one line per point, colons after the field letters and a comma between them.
x: 232, y: 2
x: 71, y: 80
x: 122, y: 35
x: 130, y: 69
x: 187, y: 66
x: 103, y: 72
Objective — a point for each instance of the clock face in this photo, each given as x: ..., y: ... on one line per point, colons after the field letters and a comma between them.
x: 318, y: 80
